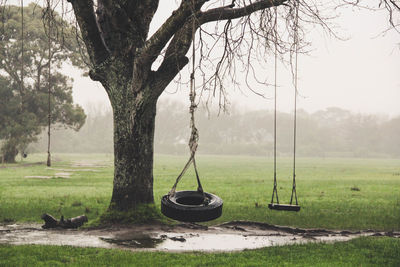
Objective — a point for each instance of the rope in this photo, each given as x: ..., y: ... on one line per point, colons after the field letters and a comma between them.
x: 49, y: 84
x: 296, y: 42
x: 275, y: 190
x: 194, y: 135
x: 22, y: 54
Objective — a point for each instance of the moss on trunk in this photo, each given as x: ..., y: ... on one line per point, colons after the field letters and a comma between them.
x: 134, y: 123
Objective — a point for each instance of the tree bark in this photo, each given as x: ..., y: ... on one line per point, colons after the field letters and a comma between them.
x: 134, y: 123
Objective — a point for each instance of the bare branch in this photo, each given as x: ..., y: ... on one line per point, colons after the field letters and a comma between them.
x: 175, y: 58
x: 85, y: 15
x: 181, y: 41
x: 224, y: 13
x: 160, y: 38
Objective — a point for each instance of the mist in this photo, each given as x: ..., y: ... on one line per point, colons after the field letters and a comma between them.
x: 331, y: 132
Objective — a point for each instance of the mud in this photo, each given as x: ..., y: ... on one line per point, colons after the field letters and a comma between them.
x: 233, y: 236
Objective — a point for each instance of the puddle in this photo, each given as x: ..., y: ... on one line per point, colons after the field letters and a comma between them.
x: 225, y: 237
x: 145, y: 242
x: 235, y: 242
x: 41, y: 237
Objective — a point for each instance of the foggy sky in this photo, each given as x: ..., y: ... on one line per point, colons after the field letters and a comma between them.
x: 361, y: 74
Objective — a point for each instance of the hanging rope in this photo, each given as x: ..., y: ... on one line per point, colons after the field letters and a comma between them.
x: 49, y: 83
x: 194, y: 135
x: 296, y: 43
x: 275, y: 190
x: 22, y: 55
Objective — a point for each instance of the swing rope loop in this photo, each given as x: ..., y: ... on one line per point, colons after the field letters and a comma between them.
x: 296, y: 44
x: 22, y: 54
x: 194, y: 135
x: 275, y: 190
x: 49, y: 14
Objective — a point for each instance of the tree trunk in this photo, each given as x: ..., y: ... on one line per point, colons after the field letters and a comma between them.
x: 134, y: 125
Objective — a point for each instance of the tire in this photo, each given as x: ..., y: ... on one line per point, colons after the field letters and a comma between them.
x: 188, y: 206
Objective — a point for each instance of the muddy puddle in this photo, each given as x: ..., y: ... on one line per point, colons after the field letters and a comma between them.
x: 234, y: 236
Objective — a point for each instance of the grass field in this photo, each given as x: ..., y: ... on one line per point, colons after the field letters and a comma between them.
x: 358, y: 252
x: 333, y: 193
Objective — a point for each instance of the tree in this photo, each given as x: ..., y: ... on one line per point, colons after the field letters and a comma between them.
x: 24, y: 103
x: 122, y: 56
x: 123, y: 59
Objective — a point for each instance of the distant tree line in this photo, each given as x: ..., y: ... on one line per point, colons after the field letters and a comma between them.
x: 333, y: 132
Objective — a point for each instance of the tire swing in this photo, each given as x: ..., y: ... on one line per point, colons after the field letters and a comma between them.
x: 191, y: 206
x: 276, y: 205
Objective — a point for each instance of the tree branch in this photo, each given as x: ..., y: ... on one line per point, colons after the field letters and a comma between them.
x: 175, y: 58
x: 224, y: 13
x: 180, y: 44
x: 85, y: 15
x: 160, y: 38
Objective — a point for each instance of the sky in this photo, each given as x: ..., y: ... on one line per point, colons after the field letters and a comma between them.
x: 360, y: 74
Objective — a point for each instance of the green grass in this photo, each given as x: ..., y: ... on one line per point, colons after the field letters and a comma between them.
x: 333, y: 193
x: 24, y: 200
x: 358, y: 252
x: 324, y: 189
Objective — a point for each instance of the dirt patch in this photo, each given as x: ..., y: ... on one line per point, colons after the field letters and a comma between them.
x: 233, y: 236
x: 62, y: 174
x: 38, y: 177
x: 73, y: 170
x: 57, y: 175
x: 89, y: 163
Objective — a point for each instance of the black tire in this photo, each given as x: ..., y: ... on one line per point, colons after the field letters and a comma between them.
x: 188, y: 206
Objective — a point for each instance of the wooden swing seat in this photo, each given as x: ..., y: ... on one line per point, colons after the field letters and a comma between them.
x: 286, y: 207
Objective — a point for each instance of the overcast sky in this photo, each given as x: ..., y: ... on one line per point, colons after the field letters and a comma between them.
x: 361, y: 74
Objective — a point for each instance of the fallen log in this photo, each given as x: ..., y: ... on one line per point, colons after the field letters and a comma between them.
x: 51, y: 222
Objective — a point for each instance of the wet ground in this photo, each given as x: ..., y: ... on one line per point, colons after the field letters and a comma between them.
x: 233, y: 236
x: 68, y: 171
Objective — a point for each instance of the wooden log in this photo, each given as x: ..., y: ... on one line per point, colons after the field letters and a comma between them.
x: 51, y: 222
x: 73, y: 222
